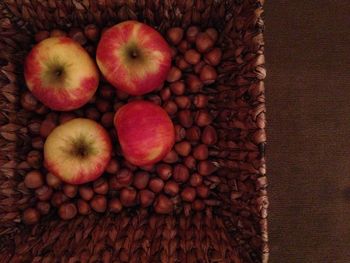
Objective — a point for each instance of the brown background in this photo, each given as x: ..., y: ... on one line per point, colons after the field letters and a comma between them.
x: 308, y: 97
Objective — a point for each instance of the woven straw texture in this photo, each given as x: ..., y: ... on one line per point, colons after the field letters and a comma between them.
x: 234, y: 231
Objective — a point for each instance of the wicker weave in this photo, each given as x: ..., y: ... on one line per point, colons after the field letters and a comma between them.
x: 236, y: 231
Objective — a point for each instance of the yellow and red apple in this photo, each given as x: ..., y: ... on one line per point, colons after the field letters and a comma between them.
x: 78, y: 151
x: 133, y: 57
x: 145, y: 132
x: 61, y: 74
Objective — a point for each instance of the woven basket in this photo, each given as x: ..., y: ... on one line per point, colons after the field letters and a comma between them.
x: 234, y: 231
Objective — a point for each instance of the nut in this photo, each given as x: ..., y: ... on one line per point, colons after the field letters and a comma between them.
x: 43, y: 193
x: 42, y: 109
x: 213, y: 57
x: 121, y: 94
x: 141, y: 180
x: 86, y: 192
x: 175, y: 35
x: 170, y: 107
x: 185, y: 118
x: 203, y: 118
x: 146, y: 198
x: 67, y: 211
x: 192, y: 56
x: 28, y: 101
x: 99, y: 203
x: 198, y: 67
x: 200, y: 101
x: 196, y: 179
x: 200, y: 152
x: 70, y: 190
x: 156, y: 185
x: 213, y: 33
x: 208, y: 75
x: 198, y: 205
x: 34, y: 159
x: 107, y: 119
x: 206, y: 168
x: 155, y: 99
x: 180, y: 132
x: 165, y: 94
x: 183, y: 148
x: 41, y: 35
x: 171, y: 157
x: 178, y: 88
x: 183, y: 102
x: 163, y: 205
x: 123, y: 178
x: 174, y: 74
x: 103, y: 105
x: 83, y: 207
x: 100, y: 186
x: 58, y: 198
x: 183, y: 46
x: 209, y: 135
x: 188, y: 194
x: 164, y: 171
x: 128, y: 196
x: 43, y: 207
x: 193, y: 134
x: 33, y: 179
x: 181, y: 173
x: 192, y: 33
x: 57, y: 33
x: 77, y: 35
x: 202, y: 191
x: 107, y: 92
x: 30, y: 216
x: 112, y: 167
x: 190, y: 162
x: 204, y: 42
x: 66, y: 116
x: 194, y: 84
x: 46, y: 127
x: 182, y: 64
x: 114, y: 205
x: 92, y: 32
x: 171, y: 188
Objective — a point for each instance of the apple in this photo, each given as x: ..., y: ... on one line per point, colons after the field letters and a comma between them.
x: 61, y: 74
x: 145, y: 132
x: 133, y: 57
x: 77, y: 151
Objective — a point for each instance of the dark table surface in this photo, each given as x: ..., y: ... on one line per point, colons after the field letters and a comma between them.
x: 308, y: 99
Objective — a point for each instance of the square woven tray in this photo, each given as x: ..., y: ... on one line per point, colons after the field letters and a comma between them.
x: 234, y: 231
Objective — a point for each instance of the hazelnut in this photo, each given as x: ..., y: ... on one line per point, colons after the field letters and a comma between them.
x: 112, y: 167
x: 30, y: 216
x: 196, y: 179
x: 58, y: 198
x: 203, y: 118
x: 170, y: 107
x: 209, y: 135
x: 114, y: 205
x: 171, y: 188
x: 175, y: 35
x: 213, y: 57
x: 155, y: 99
x: 122, y: 178
x: 100, y: 186
x: 42, y: 109
x: 46, y: 127
x: 99, y: 203
x: 93, y: 114
x: 33, y: 179
x: 43, y: 193
x: 183, y: 102
x: 57, y: 33
x: 185, y: 118
x: 146, y: 198
x: 171, y: 157
x: 77, y: 35
x: 202, y: 191
x: 198, y: 205
x: 213, y: 33
x: 206, y: 168
x: 53, y: 180
x: 34, y: 127
x: 148, y: 168
x: 34, y: 159
x: 43, y: 207
x: 128, y: 196
x: 188, y: 194
x: 92, y: 32
x: 165, y: 94
x: 192, y: 56
x: 194, y: 84
x: 192, y: 33
x: 181, y: 173
x: 200, y: 101
x: 204, y: 42
x: 190, y: 162
x: 83, y: 207
x: 86, y: 192
x: 28, y: 101
x: 182, y: 64
x: 164, y: 171
x: 163, y: 205
x: 208, y: 75
x: 67, y: 211
x: 183, y: 148
x: 200, y: 152
x: 193, y: 134
x: 103, y: 105
x: 174, y: 74
x: 141, y: 180
x: 70, y: 190
x: 156, y: 185
x: 107, y: 119
x: 178, y: 87
x: 198, y: 67
x: 183, y: 46
x: 180, y: 132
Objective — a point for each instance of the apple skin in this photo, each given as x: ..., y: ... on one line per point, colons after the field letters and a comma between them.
x: 63, y: 159
x: 145, y: 132
x: 61, y: 74
x: 139, y: 75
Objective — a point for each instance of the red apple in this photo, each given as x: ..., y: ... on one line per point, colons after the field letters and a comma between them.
x: 61, y: 74
x: 145, y: 132
x: 77, y: 151
x: 133, y: 57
